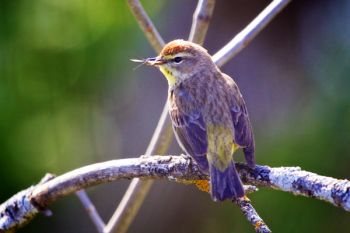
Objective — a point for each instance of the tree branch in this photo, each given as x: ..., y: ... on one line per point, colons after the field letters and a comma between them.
x: 299, y: 182
x: 161, y: 139
x: 201, y: 19
x: 146, y: 25
x: 91, y: 210
x: 23, y: 206
x: 251, y: 215
x: 242, y: 39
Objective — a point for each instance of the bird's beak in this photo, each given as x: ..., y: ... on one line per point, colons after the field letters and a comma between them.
x: 152, y: 61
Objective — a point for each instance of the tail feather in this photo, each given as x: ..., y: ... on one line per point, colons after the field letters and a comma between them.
x: 226, y: 184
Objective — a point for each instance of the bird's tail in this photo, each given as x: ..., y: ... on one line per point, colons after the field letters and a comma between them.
x: 225, y: 184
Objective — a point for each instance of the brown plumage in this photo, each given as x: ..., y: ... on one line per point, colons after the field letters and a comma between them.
x: 209, y: 116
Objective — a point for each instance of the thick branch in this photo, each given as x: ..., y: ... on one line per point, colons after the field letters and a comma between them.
x: 23, y: 206
x: 201, y: 19
x: 299, y: 182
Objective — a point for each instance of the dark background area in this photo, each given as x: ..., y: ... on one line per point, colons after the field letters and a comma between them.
x: 69, y: 97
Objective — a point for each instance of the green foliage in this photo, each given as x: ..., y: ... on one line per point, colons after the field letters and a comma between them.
x: 57, y: 59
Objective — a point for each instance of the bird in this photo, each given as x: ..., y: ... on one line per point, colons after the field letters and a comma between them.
x: 208, y: 114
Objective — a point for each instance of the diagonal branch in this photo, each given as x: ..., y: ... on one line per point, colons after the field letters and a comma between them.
x: 201, y: 19
x: 91, y: 210
x: 138, y: 189
x: 242, y: 39
x: 25, y: 205
x: 251, y: 215
x: 161, y: 139
x: 146, y: 25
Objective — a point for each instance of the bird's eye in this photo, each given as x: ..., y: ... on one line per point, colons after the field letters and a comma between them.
x: 178, y: 59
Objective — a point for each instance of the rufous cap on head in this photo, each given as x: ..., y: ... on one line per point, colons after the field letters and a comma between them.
x: 178, y: 46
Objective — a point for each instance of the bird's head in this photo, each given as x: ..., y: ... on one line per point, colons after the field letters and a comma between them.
x: 180, y: 60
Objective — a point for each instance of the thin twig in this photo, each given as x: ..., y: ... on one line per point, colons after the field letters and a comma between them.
x: 201, y: 19
x: 146, y: 25
x: 161, y: 139
x: 138, y: 189
x: 23, y: 206
x: 129, y: 205
x: 242, y: 39
x: 252, y: 216
x: 91, y: 210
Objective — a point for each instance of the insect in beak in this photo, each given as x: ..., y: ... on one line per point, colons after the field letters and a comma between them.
x: 153, y: 61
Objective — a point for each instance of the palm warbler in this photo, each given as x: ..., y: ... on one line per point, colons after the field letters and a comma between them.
x: 208, y: 113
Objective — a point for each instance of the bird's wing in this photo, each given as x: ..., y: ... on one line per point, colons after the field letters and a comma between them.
x: 190, y: 131
x: 243, y: 133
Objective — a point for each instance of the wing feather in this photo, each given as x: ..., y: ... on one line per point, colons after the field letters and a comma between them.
x: 243, y: 133
x: 190, y: 131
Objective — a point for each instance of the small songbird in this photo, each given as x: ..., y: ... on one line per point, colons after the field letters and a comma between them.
x: 208, y: 113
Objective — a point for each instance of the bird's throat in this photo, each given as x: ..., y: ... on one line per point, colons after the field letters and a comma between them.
x: 168, y: 75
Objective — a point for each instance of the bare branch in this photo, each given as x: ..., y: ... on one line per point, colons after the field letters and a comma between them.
x: 242, y: 39
x: 17, y: 211
x: 299, y: 182
x: 23, y: 206
x: 251, y: 215
x: 243, y: 203
x: 129, y: 206
x: 146, y: 25
x: 161, y: 139
x: 91, y: 210
x: 138, y: 190
x: 201, y: 19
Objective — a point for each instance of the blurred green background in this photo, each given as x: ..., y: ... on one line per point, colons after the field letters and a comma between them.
x: 69, y: 97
